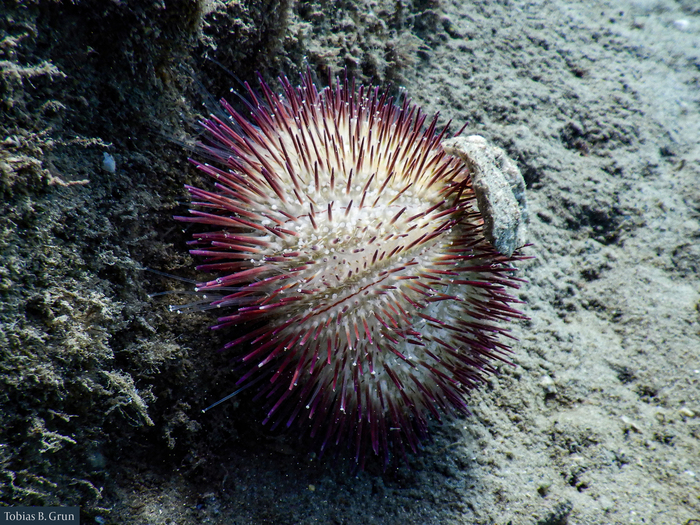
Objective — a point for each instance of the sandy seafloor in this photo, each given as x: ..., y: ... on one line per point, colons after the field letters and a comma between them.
x: 599, y: 104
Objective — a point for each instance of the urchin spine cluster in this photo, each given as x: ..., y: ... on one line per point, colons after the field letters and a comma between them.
x: 350, y: 251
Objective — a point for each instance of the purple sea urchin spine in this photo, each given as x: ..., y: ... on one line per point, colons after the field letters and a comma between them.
x: 352, y: 254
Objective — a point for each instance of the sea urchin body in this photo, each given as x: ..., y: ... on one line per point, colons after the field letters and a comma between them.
x: 351, y: 254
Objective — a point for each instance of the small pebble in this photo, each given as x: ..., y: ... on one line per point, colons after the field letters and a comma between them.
x: 629, y: 424
x: 686, y: 412
x: 108, y: 163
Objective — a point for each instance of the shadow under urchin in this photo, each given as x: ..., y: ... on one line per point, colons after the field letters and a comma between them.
x: 349, y: 252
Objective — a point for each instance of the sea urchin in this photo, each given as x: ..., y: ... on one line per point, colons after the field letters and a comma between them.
x: 351, y: 252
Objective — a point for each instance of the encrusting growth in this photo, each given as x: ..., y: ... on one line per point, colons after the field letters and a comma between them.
x: 350, y: 252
